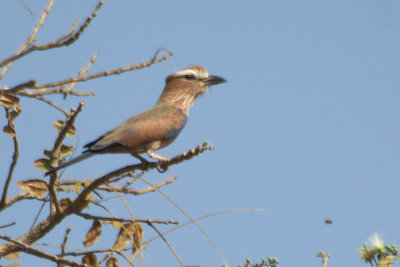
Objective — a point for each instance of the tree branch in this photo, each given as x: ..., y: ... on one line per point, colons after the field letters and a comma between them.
x: 39, y: 253
x: 136, y: 192
x: 80, y: 202
x: 137, y: 66
x: 55, y: 154
x: 101, y: 218
x: 65, y: 40
x: 66, y: 236
x: 13, y: 163
x: 7, y: 63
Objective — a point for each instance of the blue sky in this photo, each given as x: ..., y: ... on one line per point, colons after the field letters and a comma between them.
x: 306, y: 128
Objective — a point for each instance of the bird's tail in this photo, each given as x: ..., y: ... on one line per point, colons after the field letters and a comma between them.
x: 79, y: 158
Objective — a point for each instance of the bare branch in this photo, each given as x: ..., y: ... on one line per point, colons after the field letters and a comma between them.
x: 19, y: 197
x: 137, y: 66
x: 101, y: 218
x: 64, y: 244
x: 52, y: 104
x: 40, y: 253
x: 31, y: 39
x: 65, y: 40
x: 55, y: 154
x: 125, y: 190
x: 81, y: 73
x: 22, y: 86
x: 167, y: 243
x: 13, y: 163
x: 58, y: 90
x: 80, y: 202
x: 7, y: 225
x: 27, y: 8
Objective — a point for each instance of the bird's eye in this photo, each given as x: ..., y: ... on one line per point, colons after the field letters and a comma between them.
x: 189, y: 77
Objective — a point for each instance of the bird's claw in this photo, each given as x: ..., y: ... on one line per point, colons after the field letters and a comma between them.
x: 161, y: 168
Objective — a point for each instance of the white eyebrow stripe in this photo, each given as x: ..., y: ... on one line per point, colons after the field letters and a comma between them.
x: 187, y: 72
x: 198, y: 74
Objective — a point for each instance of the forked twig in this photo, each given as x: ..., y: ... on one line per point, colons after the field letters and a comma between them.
x: 65, y: 40
x: 7, y: 63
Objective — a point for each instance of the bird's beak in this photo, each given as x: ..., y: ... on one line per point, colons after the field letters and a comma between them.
x: 212, y: 80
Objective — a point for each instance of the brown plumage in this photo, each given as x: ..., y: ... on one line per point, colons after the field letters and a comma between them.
x: 158, y: 126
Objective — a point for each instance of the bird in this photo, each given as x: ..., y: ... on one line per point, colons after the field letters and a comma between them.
x: 157, y: 127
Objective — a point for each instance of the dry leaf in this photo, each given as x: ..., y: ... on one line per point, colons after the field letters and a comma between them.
x: 115, y: 224
x: 64, y: 151
x: 90, y: 259
x: 13, y: 114
x: 137, y: 237
x: 65, y: 202
x: 42, y: 164
x: 35, y: 187
x: 9, y: 101
x: 93, y: 236
x: 77, y: 188
x: 112, y: 262
x: 12, y: 265
x: 65, y: 189
x: 12, y: 256
x: 9, y: 129
x: 124, y: 237
x: 59, y: 125
x: 87, y: 182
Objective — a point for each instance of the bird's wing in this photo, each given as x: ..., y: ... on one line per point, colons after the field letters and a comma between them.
x: 158, y: 123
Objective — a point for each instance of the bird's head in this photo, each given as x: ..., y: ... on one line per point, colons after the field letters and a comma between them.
x: 184, y: 86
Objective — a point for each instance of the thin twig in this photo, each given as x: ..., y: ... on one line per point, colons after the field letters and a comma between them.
x: 63, y: 245
x: 137, y: 66
x: 51, y: 104
x: 21, y: 86
x: 19, y: 197
x: 80, y: 202
x: 136, y: 192
x: 7, y: 63
x: 199, y: 219
x: 101, y: 218
x: 65, y: 240
x: 65, y: 40
x: 13, y: 163
x: 7, y: 225
x: 40, y: 253
x: 85, y: 69
x: 76, y: 254
x: 27, y: 8
x: 194, y: 222
x: 58, y: 90
x: 167, y: 243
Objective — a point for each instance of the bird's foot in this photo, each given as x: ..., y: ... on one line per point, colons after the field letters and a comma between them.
x: 161, y: 168
x: 142, y: 160
x: 153, y: 155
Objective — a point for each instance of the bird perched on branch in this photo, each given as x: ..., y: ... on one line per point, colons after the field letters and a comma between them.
x: 157, y: 127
